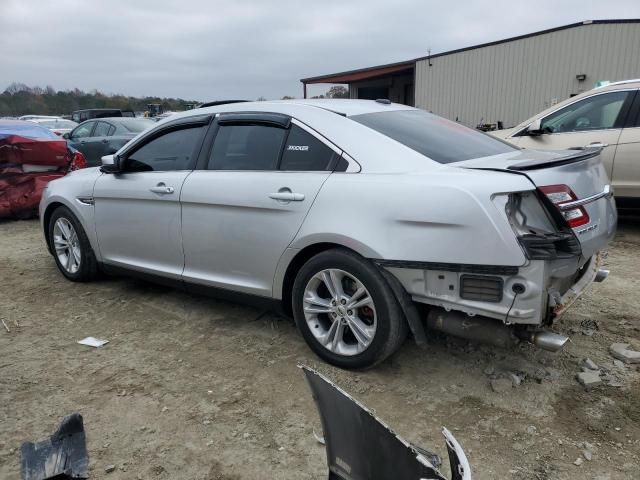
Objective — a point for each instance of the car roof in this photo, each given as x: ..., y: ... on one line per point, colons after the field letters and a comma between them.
x: 633, y: 83
x: 115, y: 119
x: 101, y: 110
x: 342, y: 106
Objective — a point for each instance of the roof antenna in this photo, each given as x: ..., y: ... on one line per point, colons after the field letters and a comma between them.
x: 429, y: 57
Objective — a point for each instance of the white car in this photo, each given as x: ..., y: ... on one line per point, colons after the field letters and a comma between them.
x: 348, y: 215
x: 607, y: 117
x: 59, y: 126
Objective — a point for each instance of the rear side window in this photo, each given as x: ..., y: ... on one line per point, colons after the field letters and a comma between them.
x: 304, y: 152
x: 175, y: 150
x: 246, y: 147
x: 434, y: 137
x: 101, y: 130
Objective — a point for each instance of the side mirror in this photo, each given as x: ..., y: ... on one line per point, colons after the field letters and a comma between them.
x: 110, y: 164
x: 66, y: 136
x: 535, y: 128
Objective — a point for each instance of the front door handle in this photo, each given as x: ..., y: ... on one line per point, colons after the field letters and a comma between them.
x: 162, y: 189
x: 287, y: 196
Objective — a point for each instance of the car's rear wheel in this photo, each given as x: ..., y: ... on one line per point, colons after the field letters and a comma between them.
x: 70, y: 246
x: 346, y: 311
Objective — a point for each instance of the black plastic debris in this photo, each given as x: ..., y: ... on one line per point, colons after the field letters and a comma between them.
x: 361, y: 447
x: 62, y: 456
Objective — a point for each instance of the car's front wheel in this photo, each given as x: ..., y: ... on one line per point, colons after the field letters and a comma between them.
x: 346, y: 311
x: 70, y: 246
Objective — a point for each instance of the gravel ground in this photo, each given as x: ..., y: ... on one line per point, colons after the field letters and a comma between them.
x: 194, y: 388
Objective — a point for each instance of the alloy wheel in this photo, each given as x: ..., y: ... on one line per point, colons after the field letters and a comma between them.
x: 67, y: 245
x: 340, y: 312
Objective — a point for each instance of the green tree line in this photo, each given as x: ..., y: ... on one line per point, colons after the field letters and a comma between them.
x: 20, y: 99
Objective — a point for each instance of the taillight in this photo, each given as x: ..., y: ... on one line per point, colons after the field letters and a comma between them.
x: 78, y: 161
x: 561, y: 195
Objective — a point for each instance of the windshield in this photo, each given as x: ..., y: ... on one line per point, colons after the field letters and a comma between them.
x: 137, y: 125
x: 435, y: 137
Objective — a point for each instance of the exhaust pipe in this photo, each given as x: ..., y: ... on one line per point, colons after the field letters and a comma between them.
x: 544, y: 339
x: 490, y: 331
x: 480, y: 329
x: 601, y: 275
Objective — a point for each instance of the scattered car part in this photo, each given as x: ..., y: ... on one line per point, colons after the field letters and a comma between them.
x: 93, y: 342
x: 360, y: 446
x: 61, y: 456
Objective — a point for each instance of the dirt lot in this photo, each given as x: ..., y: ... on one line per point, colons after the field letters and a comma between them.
x: 193, y: 388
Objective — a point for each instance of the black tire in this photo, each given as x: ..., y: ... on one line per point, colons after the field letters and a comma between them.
x: 88, y: 268
x: 391, y: 328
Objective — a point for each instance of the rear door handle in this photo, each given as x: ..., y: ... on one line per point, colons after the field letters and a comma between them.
x: 287, y: 196
x: 162, y: 189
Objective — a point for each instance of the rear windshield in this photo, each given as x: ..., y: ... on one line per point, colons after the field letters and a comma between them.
x: 136, y: 125
x: 28, y: 130
x: 435, y: 137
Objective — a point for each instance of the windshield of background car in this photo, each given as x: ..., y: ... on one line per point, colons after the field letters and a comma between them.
x: 434, y: 137
x: 136, y: 125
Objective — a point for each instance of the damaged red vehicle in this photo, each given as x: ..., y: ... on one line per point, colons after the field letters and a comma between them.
x: 30, y: 157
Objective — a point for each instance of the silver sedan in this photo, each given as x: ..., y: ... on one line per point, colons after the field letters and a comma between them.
x: 363, y: 220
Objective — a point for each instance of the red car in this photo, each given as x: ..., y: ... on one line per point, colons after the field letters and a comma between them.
x: 30, y: 157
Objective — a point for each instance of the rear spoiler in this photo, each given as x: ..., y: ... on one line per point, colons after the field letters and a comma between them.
x: 579, y: 156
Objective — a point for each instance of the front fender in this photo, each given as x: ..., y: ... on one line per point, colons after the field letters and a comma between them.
x: 74, y: 191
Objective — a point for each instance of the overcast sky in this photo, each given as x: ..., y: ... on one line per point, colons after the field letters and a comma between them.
x: 207, y: 49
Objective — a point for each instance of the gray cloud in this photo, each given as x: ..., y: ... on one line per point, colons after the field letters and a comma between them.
x: 206, y: 50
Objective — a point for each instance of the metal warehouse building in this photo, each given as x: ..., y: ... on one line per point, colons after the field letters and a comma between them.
x: 507, y: 80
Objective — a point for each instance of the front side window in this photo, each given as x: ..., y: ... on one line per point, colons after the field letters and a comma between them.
x: 304, y: 152
x: 593, y: 113
x: 174, y: 150
x: 246, y: 147
x: 83, y: 130
x: 434, y: 137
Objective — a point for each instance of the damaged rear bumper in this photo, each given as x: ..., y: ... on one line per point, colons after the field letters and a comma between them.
x: 590, y: 273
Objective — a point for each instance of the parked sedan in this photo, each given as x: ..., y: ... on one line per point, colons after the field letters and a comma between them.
x: 348, y: 215
x: 96, y: 138
x: 606, y: 117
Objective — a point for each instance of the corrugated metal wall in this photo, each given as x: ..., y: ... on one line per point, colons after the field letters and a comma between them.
x: 512, y: 81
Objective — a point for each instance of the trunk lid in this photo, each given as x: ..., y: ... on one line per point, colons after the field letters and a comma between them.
x: 580, y: 170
